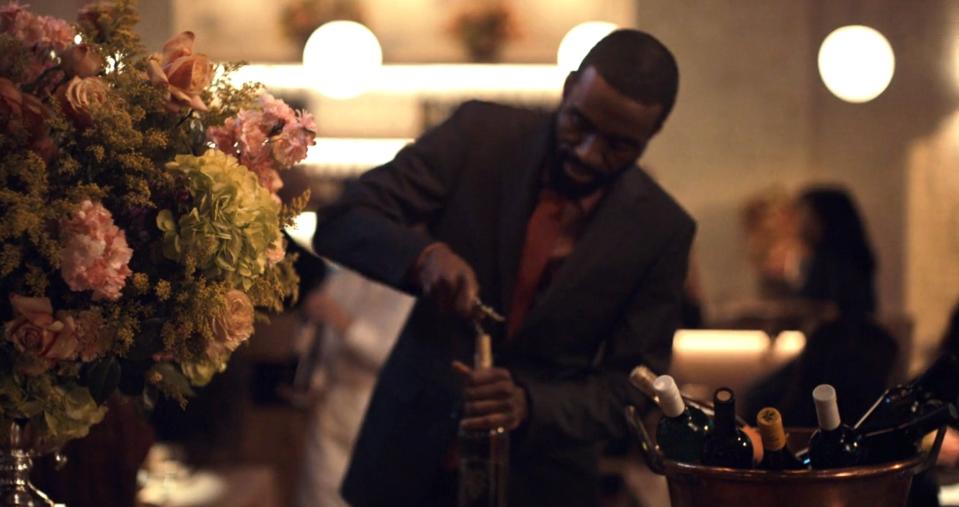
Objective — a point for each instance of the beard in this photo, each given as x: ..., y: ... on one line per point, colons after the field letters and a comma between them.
x: 567, y: 186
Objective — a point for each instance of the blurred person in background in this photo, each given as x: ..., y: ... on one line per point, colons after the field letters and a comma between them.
x: 356, y: 323
x: 776, y: 252
x: 845, y: 347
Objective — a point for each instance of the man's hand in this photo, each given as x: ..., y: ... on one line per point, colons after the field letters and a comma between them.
x: 448, y: 279
x: 493, y: 400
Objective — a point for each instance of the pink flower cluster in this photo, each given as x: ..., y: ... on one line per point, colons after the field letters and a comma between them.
x: 40, y: 34
x: 95, y: 253
x: 35, y: 31
x: 265, y: 139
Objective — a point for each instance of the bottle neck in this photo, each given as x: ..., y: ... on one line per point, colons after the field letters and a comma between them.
x: 725, y: 418
x: 940, y: 380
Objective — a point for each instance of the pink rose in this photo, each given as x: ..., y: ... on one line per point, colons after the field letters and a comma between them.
x: 95, y: 254
x: 79, y: 96
x: 35, y: 115
x: 232, y: 325
x: 25, y: 114
x: 39, y: 337
x: 184, y: 74
x: 11, y: 100
x: 38, y: 311
x: 66, y: 344
x: 82, y: 60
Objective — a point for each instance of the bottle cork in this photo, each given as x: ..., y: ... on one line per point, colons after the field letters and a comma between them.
x: 483, y: 355
x: 827, y: 411
x: 770, y: 424
x: 642, y: 378
x: 670, y: 401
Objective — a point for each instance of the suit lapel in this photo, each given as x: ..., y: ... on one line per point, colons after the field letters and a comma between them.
x: 597, y: 246
x: 518, y: 198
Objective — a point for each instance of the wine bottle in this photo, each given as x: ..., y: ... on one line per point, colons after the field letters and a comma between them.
x: 642, y: 378
x: 776, y: 454
x: 726, y: 445
x: 899, y: 404
x: 834, y: 444
x: 902, y: 441
x: 682, y: 430
x: 484, y: 455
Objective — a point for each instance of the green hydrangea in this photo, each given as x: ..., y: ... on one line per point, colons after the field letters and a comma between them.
x: 232, y: 223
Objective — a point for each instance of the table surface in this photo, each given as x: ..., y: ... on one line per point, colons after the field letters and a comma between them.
x: 239, y: 486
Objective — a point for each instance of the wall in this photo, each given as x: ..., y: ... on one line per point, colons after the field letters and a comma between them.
x: 408, y: 30
x: 753, y: 112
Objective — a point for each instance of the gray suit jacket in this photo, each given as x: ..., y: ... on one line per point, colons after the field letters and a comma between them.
x: 614, y: 303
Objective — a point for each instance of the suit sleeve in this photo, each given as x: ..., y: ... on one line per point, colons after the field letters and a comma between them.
x: 590, y: 408
x: 368, y: 228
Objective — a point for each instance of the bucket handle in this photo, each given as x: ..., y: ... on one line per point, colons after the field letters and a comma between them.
x: 651, y: 453
x: 930, y: 459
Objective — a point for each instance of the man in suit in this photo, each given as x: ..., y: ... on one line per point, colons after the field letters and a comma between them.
x: 548, y: 219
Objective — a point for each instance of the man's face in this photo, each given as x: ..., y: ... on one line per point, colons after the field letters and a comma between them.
x: 599, y: 132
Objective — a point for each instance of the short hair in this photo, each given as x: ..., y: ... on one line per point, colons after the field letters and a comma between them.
x: 637, y: 65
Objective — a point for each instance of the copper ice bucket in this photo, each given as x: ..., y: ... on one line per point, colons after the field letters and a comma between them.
x: 885, y: 485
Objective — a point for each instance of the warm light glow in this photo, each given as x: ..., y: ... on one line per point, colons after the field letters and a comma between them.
x: 345, y: 157
x: 856, y: 63
x: 789, y: 343
x: 302, y: 230
x: 720, y: 341
x: 579, y: 40
x: 343, y: 59
x: 535, y: 80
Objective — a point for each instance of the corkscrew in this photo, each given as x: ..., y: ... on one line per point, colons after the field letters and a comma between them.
x: 483, y: 311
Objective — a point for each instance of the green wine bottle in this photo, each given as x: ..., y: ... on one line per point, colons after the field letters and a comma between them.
x: 726, y: 445
x: 682, y: 430
x: 834, y: 444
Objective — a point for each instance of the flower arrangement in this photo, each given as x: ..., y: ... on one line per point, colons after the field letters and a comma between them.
x: 483, y: 27
x: 140, y: 227
x: 299, y: 18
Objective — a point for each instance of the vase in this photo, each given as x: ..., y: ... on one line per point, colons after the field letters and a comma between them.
x: 16, y: 462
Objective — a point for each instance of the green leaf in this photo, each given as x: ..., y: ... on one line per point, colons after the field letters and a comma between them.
x: 102, y: 378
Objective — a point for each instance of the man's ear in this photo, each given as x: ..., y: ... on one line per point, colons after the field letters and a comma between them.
x: 570, y: 82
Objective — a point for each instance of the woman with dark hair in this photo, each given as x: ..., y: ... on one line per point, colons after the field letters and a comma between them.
x: 840, y: 267
x: 846, y: 347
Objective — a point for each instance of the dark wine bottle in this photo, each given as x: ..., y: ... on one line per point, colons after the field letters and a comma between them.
x: 899, y: 405
x: 682, y: 430
x: 726, y: 445
x: 484, y: 455
x: 902, y: 441
x: 776, y: 454
x: 834, y: 444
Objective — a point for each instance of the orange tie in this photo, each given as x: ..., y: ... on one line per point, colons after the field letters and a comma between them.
x: 542, y: 231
